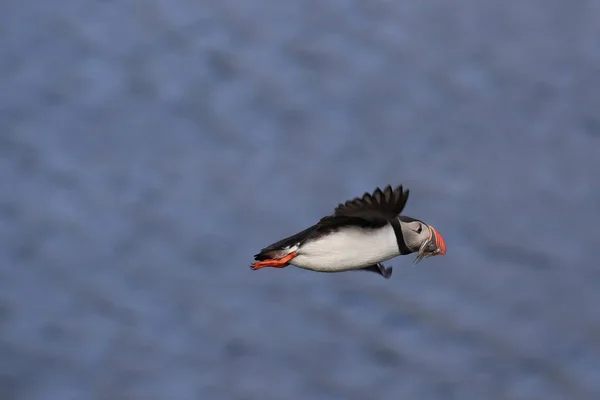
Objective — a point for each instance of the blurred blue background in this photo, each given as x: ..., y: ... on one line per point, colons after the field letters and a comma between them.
x: 149, y: 148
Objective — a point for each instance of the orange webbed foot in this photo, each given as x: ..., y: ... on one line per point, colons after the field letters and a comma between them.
x: 274, y: 262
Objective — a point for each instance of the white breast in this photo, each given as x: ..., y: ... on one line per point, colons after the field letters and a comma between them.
x: 347, y: 249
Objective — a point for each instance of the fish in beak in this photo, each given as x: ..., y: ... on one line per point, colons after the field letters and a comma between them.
x: 433, y: 246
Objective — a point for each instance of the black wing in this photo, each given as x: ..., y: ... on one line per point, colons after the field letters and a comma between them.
x: 380, y: 269
x: 371, y: 210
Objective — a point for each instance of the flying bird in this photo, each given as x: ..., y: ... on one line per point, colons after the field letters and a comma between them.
x: 361, y: 234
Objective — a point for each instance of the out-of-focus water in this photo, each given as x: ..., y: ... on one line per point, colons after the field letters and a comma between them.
x: 149, y: 148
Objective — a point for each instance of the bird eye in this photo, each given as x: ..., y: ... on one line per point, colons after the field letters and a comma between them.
x: 419, y: 229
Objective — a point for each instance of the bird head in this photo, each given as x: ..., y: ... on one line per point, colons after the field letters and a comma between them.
x: 422, y: 238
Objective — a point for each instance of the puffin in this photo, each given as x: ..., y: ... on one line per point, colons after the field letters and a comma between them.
x: 359, y: 235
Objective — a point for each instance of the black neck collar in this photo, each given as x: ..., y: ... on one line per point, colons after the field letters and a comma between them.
x: 402, y: 247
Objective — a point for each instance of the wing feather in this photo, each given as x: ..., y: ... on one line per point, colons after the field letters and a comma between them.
x: 372, y: 209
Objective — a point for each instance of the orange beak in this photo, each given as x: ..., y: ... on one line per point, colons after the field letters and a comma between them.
x: 435, y: 245
x: 439, y: 241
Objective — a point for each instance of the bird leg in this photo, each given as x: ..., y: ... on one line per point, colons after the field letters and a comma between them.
x: 274, y: 262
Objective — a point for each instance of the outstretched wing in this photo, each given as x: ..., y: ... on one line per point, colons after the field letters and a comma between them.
x: 371, y: 210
